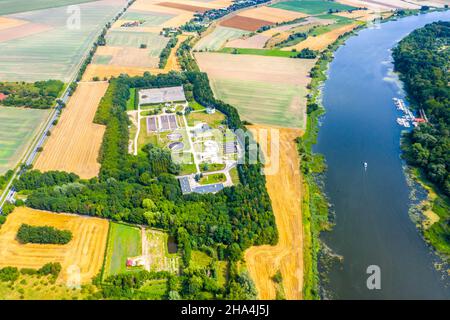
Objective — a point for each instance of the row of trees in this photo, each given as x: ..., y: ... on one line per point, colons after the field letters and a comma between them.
x: 38, y: 95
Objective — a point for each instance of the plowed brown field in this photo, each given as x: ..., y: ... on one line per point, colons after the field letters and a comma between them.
x: 244, y: 23
x: 75, y: 142
x: 285, y: 191
x: 85, y: 251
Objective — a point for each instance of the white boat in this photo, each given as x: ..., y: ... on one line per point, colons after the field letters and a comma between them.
x: 365, y: 165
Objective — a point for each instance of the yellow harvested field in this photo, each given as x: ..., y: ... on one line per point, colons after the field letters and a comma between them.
x: 75, y: 142
x: 133, y: 57
x: 108, y: 71
x: 172, y: 62
x: 322, y: 41
x: 145, y: 5
x: 107, y: 50
x: 285, y: 191
x: 204, y: 4
x: 178, y: 20
x: 272, y: 14
x: 84, y: 252
x: 6, y: 23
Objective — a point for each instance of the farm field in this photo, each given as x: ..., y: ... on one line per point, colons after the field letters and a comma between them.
x: 17, y: 129
x: 265, y: 90
x: 124, y: 242
x: 244, y: 23
x: 382, y: 4
x: 154, y: 42
x: 85, y: 251
x: 272, y: 14
x: 14, y: 6
x: 311, y: 6
x: 285, y: 191
x: 260, y: 52
x: 322, y: 40
x: 106, y: 70
x: 44, y: 48
x: 75, y: 142
x: 257, y: 41
x: 218, y: 38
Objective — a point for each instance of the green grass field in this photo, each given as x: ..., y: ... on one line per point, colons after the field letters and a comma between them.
x: 213, y: 178
x: 124, y: 242
x: 312, y: 6
x: 56, y: 52
x: 14, y: 6
x: 217, y: 39
x: 155, y: 43
x: 261, y: 102
x: 260, y: 52
x: 18, y: 126
x: 131, y: 103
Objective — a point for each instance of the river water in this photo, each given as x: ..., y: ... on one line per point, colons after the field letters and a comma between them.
x: 371, y: 206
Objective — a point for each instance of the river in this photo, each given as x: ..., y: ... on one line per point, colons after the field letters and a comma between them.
x: 371, y: 206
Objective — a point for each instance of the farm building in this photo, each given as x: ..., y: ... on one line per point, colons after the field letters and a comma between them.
x: 2, y: 96
x: 161, y: 95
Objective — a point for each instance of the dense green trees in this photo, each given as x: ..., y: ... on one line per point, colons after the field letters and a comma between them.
x: 423, y: 60
x: 240, y: 215
x: 39, y: 95
x: 43, y: 235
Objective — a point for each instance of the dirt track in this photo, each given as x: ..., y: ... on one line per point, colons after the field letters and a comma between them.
x: 284, y: 189
x: 85, y: 251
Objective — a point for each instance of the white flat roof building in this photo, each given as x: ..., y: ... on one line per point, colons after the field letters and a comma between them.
x: 161, y: 95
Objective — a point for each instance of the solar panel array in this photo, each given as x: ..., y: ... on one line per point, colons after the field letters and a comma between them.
x: 162, y: 123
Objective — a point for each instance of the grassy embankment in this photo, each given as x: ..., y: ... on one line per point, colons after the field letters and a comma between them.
x: 434, y: 212
x: 315, y: 205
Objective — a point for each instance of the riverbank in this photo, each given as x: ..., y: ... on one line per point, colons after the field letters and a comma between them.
x: 315, y: 206
x: 429, y: 213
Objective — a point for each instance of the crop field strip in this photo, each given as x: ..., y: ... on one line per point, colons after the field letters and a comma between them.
x: 85, y: 251
x: 285, y: 191
x: 311, y: 6
x: 18, y: 126
x: 75, y: 142
x: 44, y: 48
x: 244, y: 23
x: 14, y: 6
x: 274, y: 15
x: 124, y: 242
x: 218, y: 38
